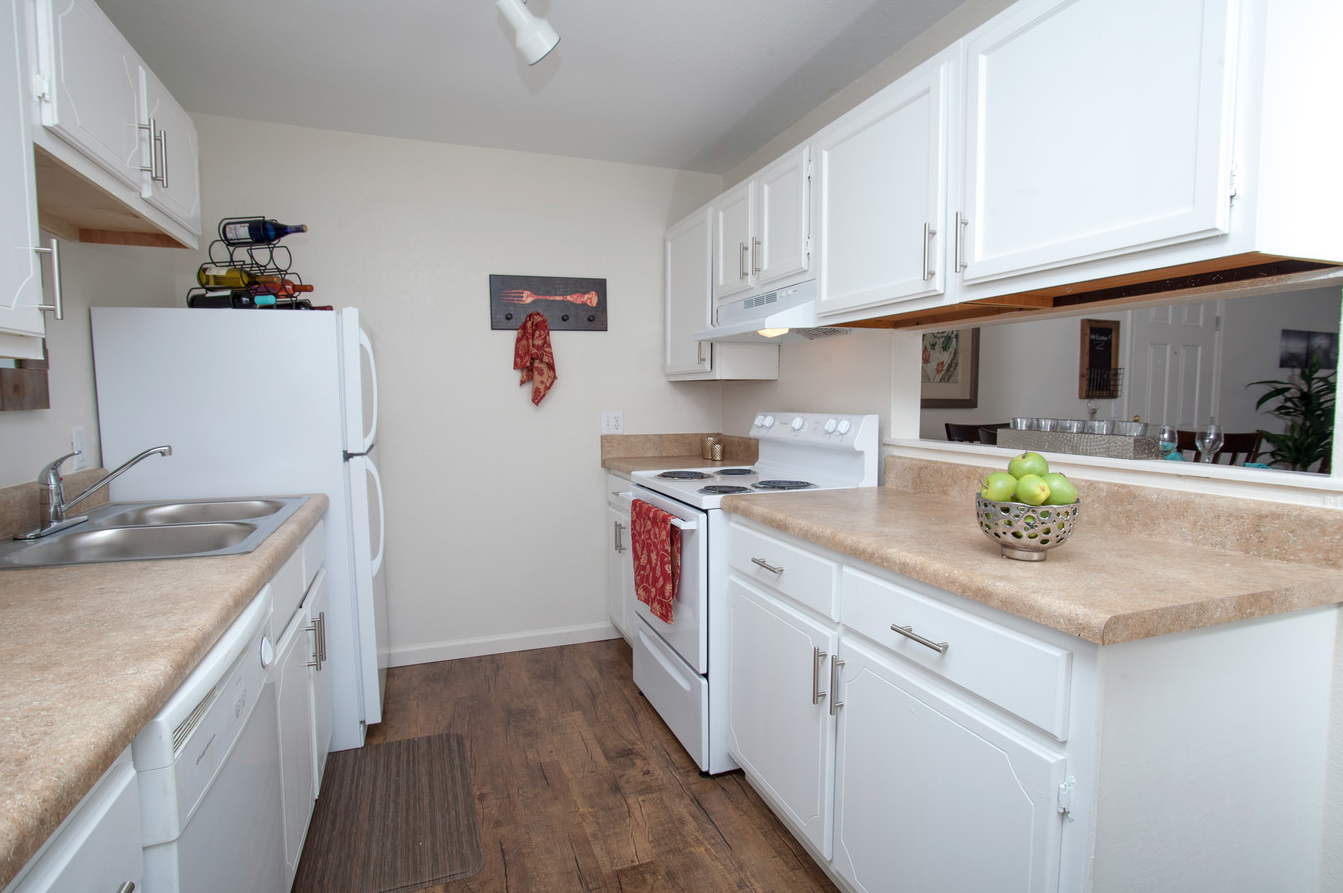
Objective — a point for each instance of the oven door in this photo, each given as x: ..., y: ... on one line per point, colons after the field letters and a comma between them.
x: 688, y: 633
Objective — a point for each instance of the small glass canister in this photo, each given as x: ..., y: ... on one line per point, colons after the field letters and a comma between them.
x: 718, y: 452
x: 706, y: 450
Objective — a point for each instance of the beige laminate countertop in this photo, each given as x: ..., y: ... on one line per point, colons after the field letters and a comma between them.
x: 91, y: 652
x: 1102, y: 585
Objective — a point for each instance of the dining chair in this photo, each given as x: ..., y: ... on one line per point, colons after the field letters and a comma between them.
x: 1238, y: 448
x: 962, y: 433
x: 989, y: 433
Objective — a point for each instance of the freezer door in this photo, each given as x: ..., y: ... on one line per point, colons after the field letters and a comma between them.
x: 360, y: 376
x: 368, y: 528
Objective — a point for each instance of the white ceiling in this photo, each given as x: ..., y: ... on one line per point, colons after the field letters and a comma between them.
x: 687, y: 84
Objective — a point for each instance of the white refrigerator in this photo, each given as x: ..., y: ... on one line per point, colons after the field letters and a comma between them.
x: 258, y: 403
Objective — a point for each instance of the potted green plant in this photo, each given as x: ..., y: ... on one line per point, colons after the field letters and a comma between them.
x: 1306, y: 404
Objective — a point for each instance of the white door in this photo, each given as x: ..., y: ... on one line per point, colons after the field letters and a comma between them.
x: 173, y: 182
x: 359, y: 378
x: 882, y: 195
x: 368, y: 530
x: 779, y: 725
x: 21, y: 323
x: 1173, y: 357
x: 780, y: 246
x: 293, y: 698
x: 319, y: 676
x: 689, y: 283
x: 619, y: 569
x: 933, y: 796
x: 93, y: 96
x: 732, y: 226
x: 688, y: 633
x: 1094, y: 128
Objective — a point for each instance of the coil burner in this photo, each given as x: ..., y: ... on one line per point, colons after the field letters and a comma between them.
x: 724, y: 489
x: 683, y: 476
x: 783, y: 485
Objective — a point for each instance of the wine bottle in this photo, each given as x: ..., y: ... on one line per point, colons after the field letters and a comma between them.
x: 284, y: 287
x: 223, y: 276
x: 255, y: 231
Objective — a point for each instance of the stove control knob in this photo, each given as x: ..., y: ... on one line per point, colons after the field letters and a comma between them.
x: 798, y: 424
x: 769, y: 421
x: 831, y: 425
x: 759, y: 420
x: 845, y: 426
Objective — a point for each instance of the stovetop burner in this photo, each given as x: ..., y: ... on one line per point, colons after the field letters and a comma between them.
x: 683, y: 475
x: 724, y: 489
x: 736, y: 471
x: 783, y: 485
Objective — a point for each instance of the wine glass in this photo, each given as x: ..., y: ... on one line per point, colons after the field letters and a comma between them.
x: 1209, y: 441
x: 1168, y: 439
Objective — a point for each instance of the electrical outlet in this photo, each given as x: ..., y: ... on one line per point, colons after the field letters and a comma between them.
x: 79, y: 444
x: 613, y: 422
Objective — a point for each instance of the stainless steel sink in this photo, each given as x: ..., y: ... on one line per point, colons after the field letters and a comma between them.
x: 144, y: 531
x: 193, y: 512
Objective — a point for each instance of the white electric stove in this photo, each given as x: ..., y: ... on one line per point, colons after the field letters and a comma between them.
x: 674, y: 663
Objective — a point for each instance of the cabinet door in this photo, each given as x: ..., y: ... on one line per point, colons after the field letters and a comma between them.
x: 779, y: 724
x: 1094, y: 129
x: 689, y: 271
x: 21, y: 323
x: 319, y: 677
x: 780, y: 246
x: 93, y: 89
x: 732, y: 227
x: 881, y: 195
x: 930, y: 795
x: 173, y: 182
x: 619, y: 569
x: 293, y: 696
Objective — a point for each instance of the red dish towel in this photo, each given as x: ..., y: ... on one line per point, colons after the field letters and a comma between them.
x: 532, y: 354
x: 657, y: 558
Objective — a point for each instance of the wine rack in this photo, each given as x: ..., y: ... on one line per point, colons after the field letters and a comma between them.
x: 272, y: 259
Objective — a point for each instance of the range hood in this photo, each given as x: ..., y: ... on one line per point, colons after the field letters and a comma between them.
x: 784, y: 315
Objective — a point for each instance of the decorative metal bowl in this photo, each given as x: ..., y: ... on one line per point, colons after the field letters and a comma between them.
x: 1025, y: 532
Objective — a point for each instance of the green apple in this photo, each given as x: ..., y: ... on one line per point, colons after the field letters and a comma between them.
x: 1027, y: 463
x: 1032, y: 489
x: 999, y: 486
x: 1061, y: 490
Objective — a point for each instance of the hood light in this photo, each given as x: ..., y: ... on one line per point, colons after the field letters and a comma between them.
x: 771, y: 333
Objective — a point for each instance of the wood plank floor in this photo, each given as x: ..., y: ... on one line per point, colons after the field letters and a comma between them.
x: 580, y: 786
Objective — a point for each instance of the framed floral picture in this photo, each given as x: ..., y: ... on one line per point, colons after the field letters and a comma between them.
x: 949, y: 375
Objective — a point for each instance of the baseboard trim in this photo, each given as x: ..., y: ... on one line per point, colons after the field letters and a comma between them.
x: 546, y: 638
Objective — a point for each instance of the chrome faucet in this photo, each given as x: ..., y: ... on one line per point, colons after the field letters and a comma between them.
x: 51, y: 498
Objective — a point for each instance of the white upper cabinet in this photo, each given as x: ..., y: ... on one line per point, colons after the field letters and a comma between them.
x: 172, y: 183
x: 762, y: 228
x: 21, y: 323
x: 881, y: 195
x: 92, y: 86
x: 1093, y: 128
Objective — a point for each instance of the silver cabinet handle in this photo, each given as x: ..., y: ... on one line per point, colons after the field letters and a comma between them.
x: 742, y: 262
x: 755, y: 255
x: 835, y: 702
x: 153, y: 169
x: 57, y: 305
x: 776, y: 571
x: 318, y: 630
x: 128, y: 887
x: 619, y: 545
x: 961, y: 223
x: 928, y: 233
x: 908, y: 633
x: 817, y: 658
x: 162, y: 140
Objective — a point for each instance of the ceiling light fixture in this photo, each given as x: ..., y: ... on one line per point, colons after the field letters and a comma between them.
x: 535, y: 36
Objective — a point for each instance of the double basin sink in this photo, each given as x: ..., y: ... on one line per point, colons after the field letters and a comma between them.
x: 142, y: 531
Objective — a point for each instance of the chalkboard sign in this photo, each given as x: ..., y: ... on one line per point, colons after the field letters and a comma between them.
x: 1099, y: 374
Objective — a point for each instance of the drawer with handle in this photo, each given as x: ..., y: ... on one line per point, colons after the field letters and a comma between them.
x: 1027, y: 677
x: 791, y: 570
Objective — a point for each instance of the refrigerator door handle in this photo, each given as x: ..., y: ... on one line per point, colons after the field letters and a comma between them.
x: 382, y: 518
x: 367, y: 347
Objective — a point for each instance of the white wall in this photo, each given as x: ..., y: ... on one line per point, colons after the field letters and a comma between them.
x: 90, y: 274
x: 496, y: 508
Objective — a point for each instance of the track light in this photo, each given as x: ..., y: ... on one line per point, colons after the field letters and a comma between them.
x: 535, y: 36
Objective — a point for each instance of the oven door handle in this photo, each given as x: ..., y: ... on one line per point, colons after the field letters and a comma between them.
x: 685, y: 525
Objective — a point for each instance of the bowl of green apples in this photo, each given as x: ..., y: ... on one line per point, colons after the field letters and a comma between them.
x: 1028, y: 509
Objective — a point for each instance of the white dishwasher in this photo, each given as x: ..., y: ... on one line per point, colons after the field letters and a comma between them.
x: 209, y: 771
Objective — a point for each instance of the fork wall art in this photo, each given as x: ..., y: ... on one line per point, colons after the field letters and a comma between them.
x: 566, y: 303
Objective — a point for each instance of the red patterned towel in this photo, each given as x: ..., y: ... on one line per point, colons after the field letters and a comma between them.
x: 532, y: 354
x: 657, y: 558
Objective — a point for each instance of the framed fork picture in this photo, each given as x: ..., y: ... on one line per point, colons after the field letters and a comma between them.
x: 566, y: 303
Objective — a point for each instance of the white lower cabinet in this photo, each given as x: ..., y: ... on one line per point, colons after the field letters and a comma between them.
x: 97, y: 848
x: 780, y: 727
x: 930, y: 794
